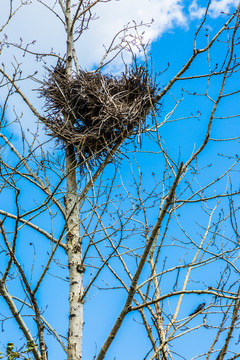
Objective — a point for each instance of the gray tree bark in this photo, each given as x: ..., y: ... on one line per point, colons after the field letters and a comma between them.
x: 74, y: 247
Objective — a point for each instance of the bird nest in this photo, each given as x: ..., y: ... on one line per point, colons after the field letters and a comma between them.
x: 94, y: 111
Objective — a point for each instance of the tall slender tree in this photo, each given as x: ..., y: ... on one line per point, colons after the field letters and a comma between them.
x: 99, y: 218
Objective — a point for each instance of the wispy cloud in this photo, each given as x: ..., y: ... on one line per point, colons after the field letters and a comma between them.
x: 163, y: 15
x: 35, y: 22
x: 217, y: 7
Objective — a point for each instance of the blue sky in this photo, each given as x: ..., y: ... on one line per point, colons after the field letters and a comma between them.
x: 171, y: 42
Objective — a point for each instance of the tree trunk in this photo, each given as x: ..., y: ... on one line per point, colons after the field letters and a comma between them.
x: 74, y: 251
x: 74, y: 247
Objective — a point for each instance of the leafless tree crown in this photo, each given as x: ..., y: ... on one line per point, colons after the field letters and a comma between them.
x: 148, y: 243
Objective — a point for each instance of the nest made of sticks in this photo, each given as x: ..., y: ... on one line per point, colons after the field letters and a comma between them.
x: 93, y: 111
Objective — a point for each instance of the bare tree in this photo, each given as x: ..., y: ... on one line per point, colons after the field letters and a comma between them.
x: 106, y: 208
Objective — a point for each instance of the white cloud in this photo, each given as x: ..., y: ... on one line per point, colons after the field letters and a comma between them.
x: 196, y: 11
x: 115, y: 15
x: 35, y: 22
x: 217, y: 7
x: 222, y: 6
